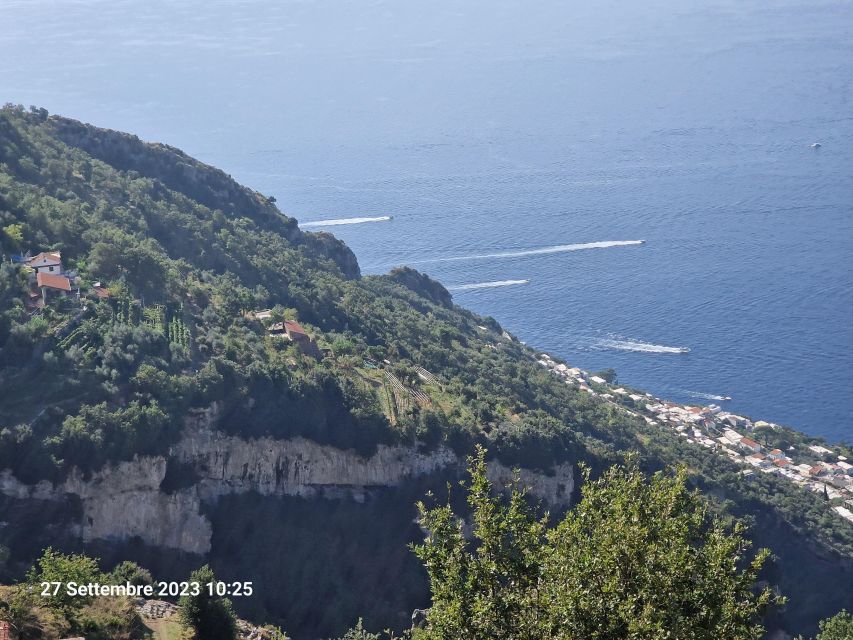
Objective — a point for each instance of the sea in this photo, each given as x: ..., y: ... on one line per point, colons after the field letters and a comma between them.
x: 662, y: 187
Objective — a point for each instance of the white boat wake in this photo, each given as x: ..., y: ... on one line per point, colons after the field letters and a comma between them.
x: 487, y: 285
x: 639, y: 347
x: 706, y: 396
x: 339, y: 221
x: 560, y: 248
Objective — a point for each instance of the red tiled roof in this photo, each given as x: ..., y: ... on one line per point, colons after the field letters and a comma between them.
x: 748, y: 442
x: 53, y: 281
x: 293, y: 327
x: 57, y: 257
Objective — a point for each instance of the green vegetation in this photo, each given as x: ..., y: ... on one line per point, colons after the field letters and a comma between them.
x: 631, y: 560
x: 839, y: 627
x: 57, y: 567
x: 358, y: 632
x: 209, y: 617
x: 34, y: 615
x: 188, y: 256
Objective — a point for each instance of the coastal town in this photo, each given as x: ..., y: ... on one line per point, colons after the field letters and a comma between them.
x: 813, y: 467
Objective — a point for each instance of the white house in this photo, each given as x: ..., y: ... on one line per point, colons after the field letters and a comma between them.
x: 818, y: 449
x: 733, y: 436
x: 46, y: 263
x: 750, y: 445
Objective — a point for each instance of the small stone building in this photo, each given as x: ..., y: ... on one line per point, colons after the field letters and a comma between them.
x: 302, y: 340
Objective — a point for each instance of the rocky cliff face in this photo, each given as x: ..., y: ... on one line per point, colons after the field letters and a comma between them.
x: 129, y: 500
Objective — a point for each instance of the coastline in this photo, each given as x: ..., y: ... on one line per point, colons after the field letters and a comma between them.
x: 757, y: 445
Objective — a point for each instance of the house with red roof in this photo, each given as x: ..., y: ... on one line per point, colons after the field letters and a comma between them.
x: 758, y: 460
x: 49, y: 283
x: 301, y: 339
x: 750, y: 444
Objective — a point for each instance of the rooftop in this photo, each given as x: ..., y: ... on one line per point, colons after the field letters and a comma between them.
x: 293, y: 327
x: 52, y: 281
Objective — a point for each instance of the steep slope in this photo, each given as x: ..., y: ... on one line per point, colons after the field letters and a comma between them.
x: 303, y: 473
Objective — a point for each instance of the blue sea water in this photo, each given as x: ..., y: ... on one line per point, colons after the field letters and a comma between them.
x: 490, y: 131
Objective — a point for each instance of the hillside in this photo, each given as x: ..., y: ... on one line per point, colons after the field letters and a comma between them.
x: 227, y: 387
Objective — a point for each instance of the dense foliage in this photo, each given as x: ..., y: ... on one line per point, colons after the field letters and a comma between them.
x: 209, y: 617
x: 634, y: 559
x: 838, y: 627
x: 35, y: 616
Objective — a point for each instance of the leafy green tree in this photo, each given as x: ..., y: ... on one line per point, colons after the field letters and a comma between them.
x: 209, y: 617
x: 838, y: 627
x: 54, y: 566
x: 487, y: 589
x: 637, y: 558
x: 13, y: 234
x: 128, y: 572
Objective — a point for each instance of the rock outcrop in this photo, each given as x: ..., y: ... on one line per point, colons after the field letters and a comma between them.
x: 128, y: 500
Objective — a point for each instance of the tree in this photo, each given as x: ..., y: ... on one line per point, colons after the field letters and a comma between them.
x: 210, y: 618
x: 128, y: 572
x: 13, y: 234
x: 486, y: 590
x: 838, y: 627
x: 54, y: 566
x: 637, y: 558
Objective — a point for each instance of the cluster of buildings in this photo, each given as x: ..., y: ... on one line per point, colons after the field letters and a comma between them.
x: 47, y: 276
x: 50, y: 279
x: 814, y: 467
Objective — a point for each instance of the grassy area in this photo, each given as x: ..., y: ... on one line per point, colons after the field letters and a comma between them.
x: 167, y: 629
